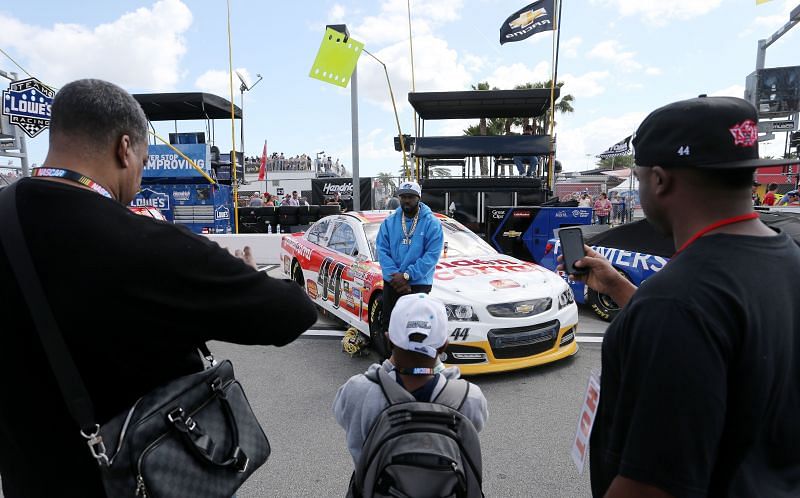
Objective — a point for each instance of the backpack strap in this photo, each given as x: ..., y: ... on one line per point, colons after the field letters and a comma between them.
x: 453, y: 394
x: 392, y: 390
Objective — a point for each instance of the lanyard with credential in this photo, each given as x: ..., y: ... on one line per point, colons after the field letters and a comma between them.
x: 714, y: 226
x: 72, y: 176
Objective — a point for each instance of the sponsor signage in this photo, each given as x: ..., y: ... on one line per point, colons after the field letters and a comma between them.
x: 528, y: 21
x: 222, y: 213
x: 324, y: 188
x: 27, y: 103
x: 164, y: 162
x: 149, y: 197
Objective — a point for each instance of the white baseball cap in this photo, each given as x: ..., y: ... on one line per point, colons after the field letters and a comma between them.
x: 418, y: 314
x: 411, y: 188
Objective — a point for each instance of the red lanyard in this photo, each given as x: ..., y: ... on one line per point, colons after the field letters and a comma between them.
x: 714, y: 226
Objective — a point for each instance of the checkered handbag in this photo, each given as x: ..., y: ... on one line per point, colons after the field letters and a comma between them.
x: 195, y: 436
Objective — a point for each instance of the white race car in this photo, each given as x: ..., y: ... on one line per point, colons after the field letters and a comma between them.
x: 503, y: 313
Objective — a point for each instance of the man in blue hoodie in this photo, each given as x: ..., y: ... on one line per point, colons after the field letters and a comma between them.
x: 409, y: 244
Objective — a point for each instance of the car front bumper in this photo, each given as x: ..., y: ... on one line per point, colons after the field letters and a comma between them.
x: 512, y: 344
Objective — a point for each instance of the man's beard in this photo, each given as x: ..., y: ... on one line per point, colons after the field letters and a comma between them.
x: 410, y: 210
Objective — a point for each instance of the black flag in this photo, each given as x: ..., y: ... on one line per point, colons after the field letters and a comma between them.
x: 620, y: 148
x: 526, y: 22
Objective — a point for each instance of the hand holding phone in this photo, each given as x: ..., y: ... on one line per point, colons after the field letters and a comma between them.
x: 572, y: 249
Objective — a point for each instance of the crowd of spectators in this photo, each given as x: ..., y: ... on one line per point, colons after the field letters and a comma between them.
x: 279, y: 162
x: 9, y: 177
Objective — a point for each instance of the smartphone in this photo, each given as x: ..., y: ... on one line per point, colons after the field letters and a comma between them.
x: 572, y: 249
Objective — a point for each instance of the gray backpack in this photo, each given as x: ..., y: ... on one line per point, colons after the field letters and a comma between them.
x: 420, y: 449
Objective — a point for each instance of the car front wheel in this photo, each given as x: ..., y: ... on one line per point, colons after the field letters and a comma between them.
x: 377, y: 337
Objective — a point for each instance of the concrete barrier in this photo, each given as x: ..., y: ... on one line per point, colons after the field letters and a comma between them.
x: 266, y: 247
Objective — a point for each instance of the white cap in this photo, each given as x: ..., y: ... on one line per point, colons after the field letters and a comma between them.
x: 412, y: 188
x: 418, y: 314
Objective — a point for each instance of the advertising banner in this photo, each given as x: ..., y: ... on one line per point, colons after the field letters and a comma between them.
x: 324, y: 188
x: 166, y: 163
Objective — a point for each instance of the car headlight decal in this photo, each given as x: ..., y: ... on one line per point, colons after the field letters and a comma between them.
x: 460, y: 313
x: 520, y: 309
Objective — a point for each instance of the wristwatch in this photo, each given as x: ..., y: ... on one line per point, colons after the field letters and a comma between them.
x: 406, y: 276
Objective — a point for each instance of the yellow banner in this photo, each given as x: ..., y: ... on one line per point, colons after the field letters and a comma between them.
x: 336, y: 59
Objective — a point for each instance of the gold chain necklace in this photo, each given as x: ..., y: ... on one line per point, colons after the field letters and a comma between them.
x: 407, y: 234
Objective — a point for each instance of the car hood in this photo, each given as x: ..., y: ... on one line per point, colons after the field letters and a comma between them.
x: 496, y: 279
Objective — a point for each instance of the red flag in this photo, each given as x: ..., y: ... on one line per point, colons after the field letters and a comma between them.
x: 262, y: 171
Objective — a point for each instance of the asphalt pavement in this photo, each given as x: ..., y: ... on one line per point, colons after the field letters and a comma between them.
x: 526, y: 442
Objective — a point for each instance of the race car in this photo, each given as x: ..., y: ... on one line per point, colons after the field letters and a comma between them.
x: 503, y: 313
x: 638, y: 252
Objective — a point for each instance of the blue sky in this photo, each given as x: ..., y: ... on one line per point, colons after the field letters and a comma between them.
x: 619, y: 58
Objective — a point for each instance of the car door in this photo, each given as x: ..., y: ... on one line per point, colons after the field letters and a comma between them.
x: 339, y: 288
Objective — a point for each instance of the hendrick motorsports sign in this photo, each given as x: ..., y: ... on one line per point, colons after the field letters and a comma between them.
x: 324, y: 188
x: 27, y: 104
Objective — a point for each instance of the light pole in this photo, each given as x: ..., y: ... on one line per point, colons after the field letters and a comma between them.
x: 245, y: 88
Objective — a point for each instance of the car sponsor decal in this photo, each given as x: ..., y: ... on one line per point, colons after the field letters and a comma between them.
x: 629, y: 259
x: 504, y: 284
x: 468, y: 268
x: 297, y: 248
x: 311, y: 288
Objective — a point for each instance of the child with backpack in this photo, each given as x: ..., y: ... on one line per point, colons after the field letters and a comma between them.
x: 413, y: 431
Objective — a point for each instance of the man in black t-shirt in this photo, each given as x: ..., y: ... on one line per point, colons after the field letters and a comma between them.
x: 133, y: 297
x: 700, y: 385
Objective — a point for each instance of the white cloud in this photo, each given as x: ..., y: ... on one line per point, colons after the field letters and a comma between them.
x: 661, y: 12
x: 507, y: 77
x: 612, y: 51
x: 653, y: 71
x: 765, y: 25
x: 437, y: 68
x: 140, y: 50
x: 570, y: 47
x: 337, y: 14
x: 731, y: 91
x: 584, y: 86
x: 592, y: 138
x: 218, y: 82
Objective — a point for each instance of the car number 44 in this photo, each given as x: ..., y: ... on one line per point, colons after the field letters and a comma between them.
x: 460, y: 334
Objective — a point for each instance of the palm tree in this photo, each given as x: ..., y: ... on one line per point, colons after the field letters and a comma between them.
x: 439, y: 171
x: 387, y: 180
x: 502, y: 126
x: 563, y: 106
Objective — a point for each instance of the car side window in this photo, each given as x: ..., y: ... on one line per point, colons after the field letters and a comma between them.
x: 317, y: 233
x: 343, y: 239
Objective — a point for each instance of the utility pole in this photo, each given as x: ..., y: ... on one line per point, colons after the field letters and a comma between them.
x: 354, y: 121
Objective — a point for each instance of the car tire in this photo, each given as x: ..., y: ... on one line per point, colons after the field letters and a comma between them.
x: 377, y: 337
x: 602, y: 305
x: 297, y: 274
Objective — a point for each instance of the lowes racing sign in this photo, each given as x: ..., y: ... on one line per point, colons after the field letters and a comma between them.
x: 27, y: 103
x: 149, y: 197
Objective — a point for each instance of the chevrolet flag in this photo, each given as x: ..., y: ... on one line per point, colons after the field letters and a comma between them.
x: 526, y: 22
x: 621, y: 148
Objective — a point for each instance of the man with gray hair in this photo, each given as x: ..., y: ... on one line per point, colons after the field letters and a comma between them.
x: 132, y: 296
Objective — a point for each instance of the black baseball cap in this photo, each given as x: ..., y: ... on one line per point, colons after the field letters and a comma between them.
x: 704, y: 132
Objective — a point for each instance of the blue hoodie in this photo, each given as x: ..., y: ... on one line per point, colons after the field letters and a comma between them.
x: 419, y: 258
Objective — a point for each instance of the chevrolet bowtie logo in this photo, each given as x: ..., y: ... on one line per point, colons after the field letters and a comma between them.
x: 512, y: 234
x: 527, y: 18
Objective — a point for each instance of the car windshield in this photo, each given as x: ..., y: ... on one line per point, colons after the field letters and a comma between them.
x: 459, y: 241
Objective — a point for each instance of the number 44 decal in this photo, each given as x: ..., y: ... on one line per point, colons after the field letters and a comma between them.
x: 460, y: 334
